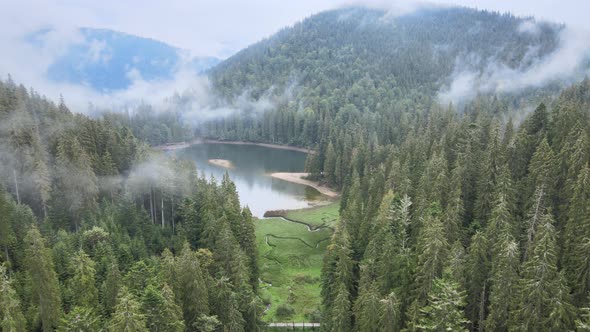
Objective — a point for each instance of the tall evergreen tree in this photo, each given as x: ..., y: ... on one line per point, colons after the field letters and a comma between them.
x: 444, y: 309
x: 44, y: 279
x: 83, y: 282
x: 576, y: 238
x: 80, y: 319
x: 504, y: 282
x: 544, y: 301
x: 432, y: 248
x: 127, y: 316
x: 11, y: 317
x: 160, y: 309
x: 390, y: 317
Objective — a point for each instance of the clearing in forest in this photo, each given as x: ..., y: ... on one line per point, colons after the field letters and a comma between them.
x: 290, y: 259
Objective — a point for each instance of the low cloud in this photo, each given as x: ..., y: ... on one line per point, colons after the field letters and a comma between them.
x: 566, y: 64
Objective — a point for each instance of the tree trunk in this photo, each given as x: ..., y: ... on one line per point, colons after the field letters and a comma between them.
x: 162, y: 200
x: 16, y: 186
x: 482, y: 308
x: 151, y: 205
x: 172, y: 213
x: 6, y: 254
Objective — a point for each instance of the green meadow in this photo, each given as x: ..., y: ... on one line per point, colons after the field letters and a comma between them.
x: 290, y: 258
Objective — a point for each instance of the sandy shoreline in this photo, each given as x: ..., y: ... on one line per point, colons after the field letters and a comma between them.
x: 298, y: 178
x: 221, y: 163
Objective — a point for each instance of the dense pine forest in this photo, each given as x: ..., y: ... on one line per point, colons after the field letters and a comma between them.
x: 453, y: 217
x: 469, y: 216
x: 100, y: 233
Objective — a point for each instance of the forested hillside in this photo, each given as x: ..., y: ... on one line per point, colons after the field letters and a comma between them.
x: 470, y: 218
x: 359, y: 66
x: 97, y: 232
x: 352, y: 49
x: 468, y: 223
x: 453, y: 217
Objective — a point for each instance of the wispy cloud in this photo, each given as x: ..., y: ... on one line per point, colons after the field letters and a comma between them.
x: 568, y: 62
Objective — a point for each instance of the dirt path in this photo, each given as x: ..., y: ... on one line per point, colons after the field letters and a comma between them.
x: 299, y: 178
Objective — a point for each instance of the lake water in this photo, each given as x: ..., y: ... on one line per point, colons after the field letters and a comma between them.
x: 252, y: 166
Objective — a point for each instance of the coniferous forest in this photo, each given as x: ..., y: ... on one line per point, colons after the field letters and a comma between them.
x: 471, y: 216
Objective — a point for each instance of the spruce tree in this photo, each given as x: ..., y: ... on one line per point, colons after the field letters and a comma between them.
x: 503, y: 282
x: 576, y: 239
x: 366, y: 308
x: 432, y: 248
x: 83, y: 282
x: 190, y: 286
x: 340, y: 313
x: 444, y: 309
x: 544, y: 300
x: 160, y: 309
x: 44, y: 279
x: 11, y: 317
x: 80, y: 319
x: 390, y: 313
x: 127, y: 316
x: 478, y: 267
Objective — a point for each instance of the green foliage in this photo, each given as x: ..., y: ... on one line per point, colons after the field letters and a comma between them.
x: 284, y: 311
x: 127, y: 316
x: 444, y: 309
x: 83, y: 283
x: 162, y: 313
x: 544, y: 300
x: 11, y: 315
x: 43, y: 278
x: 80, y: 319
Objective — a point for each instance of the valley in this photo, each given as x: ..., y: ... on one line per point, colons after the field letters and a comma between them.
x: 246, y: 168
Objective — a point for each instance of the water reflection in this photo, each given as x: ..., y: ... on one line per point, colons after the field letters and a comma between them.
x: 252, y: 165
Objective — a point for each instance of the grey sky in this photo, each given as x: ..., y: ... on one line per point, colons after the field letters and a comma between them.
x: 221, y: 27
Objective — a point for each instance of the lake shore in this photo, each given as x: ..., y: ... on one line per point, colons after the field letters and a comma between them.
x: 221, y: 163
x: 172, y: 146
x: 266, y: 145
x: 299, y: 178
x: 182, y: 145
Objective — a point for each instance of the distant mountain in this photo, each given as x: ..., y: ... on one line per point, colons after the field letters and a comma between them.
x: 334, y: 51
x: 108, y: 60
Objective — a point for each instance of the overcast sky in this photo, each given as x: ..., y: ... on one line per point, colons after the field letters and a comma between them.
x: 222, y: 27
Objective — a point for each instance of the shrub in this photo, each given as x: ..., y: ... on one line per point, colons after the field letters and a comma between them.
x: 285, y: 311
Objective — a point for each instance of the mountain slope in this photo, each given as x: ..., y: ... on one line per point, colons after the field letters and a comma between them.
x: 418, y: 51
x: 108, y: 60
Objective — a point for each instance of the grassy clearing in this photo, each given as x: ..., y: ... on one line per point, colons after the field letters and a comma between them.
x: 290, y: 259
x: 319, y: 215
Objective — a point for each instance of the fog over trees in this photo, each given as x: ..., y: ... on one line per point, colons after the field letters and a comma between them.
x: 457, y: 211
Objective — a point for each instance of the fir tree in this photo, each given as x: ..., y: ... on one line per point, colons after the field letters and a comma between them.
x: 127, y: 316
x: 83, y: 282
x: 432, y: 251
x: 160, y: 309
x: 576, y: 239
x: 389, y: 314
x: 44, y: 279
x: 11, y: 317
x: 80, y: 319
x: 444, y: 309
x: 544, y: 302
